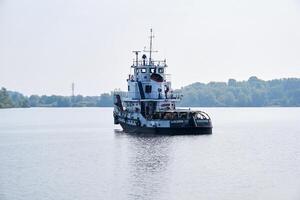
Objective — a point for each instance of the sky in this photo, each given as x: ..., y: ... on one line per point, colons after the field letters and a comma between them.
x: 46, y: 45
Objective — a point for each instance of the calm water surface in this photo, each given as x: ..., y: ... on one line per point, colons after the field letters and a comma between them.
x: 77, y: 153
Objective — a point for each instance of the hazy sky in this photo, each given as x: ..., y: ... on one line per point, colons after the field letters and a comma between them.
x: 45, y: 45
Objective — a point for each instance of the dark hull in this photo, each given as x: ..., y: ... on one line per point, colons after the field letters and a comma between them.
x: 167, y: 131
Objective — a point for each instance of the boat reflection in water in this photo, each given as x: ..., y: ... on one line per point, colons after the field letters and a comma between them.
x: 148, y: 160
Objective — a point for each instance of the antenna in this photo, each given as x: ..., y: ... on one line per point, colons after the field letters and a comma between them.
x: 151, y: 37
x: 150, y: 50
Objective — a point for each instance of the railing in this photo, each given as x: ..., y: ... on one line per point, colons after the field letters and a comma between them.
x: 181, y: 115
x: 154, y: 63
x: 166, y: 77
x: 152, y: 95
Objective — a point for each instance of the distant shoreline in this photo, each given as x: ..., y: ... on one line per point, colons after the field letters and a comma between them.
x: 254, y: 92
x: 178, y: 107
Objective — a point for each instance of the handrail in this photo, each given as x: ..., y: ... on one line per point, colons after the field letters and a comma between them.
x: 170, y: 95
x: 167, y: 78
x: 173, y: 115
x: 147, y: 63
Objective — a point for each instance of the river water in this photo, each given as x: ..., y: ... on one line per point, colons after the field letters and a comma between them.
x: 78, y: 153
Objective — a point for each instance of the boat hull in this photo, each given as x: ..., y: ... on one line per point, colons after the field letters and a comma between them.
x: 199, y: 130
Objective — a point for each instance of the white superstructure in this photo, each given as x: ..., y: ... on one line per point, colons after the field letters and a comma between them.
x: 150, y: 101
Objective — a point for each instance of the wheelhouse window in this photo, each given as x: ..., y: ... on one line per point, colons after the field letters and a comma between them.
x: 148, y: 88
x: 160, y: 70
x: 143, y: 70
x: 152, y: 70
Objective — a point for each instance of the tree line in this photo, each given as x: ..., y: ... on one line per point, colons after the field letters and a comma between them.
x: 251, y: 93
x: 10, y: 99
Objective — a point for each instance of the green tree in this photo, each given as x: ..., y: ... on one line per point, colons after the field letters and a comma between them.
x: 5, y: 101
x: 105, y: 100
x: 34, y: 100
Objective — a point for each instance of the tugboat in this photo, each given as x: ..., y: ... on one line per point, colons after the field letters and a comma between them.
x: 149, y: 106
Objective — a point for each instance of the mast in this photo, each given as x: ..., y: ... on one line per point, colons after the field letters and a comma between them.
x: 150, y: 48
x: 150, y: 53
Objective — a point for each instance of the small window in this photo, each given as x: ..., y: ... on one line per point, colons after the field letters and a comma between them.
x: 128, y: 88
x: 148, y: 88
x: 143, y: 70
x: 161, y: 70
x: 152, y: 70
